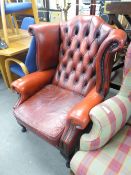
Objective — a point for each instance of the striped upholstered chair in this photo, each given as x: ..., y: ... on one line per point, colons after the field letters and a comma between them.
x: 108, y: 118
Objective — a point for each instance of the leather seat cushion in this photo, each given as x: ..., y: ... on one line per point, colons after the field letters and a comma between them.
x: 45, y: 112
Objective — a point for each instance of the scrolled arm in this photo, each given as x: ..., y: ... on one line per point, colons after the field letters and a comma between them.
x: 31, y: 83
x: 104, y: 58
x: 79, y: 114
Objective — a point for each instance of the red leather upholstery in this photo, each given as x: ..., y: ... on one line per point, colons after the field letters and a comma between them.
x: 47, y: 44
x: 81, y: 39
x: 78, y: 114
x: 30, y: 84
x: 52, y: 100
x: 82, y: 49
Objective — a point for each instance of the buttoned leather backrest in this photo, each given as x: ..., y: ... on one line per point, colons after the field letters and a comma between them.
x: 80, y: 41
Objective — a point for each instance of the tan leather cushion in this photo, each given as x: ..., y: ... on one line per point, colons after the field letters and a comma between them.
x: 45, y: 112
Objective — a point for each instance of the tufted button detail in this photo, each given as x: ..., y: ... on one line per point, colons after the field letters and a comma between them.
x: 87, y: 32
x: 85, y: 83
x: 73, y: 68
x: 81, y: 58
x: 71, y: 54
x: 93, y: 73
x: 64, y: 65
x: 97, y: 34
x: 76, y: 30
x: 76, y: 80
x: 78, y: 44
x: 59, y: 73
x: 91, y: 61
x: 66, y: 76
x: 66, y: 30
x: 68, y: 43
x: 83, y: 71
x: 88, y: 47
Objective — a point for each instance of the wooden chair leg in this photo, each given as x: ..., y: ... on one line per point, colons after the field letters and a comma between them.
x: 9, y: 75
x: 3, y: 17
x: 9, y: 17
x: 16, y: 25
x: 35, y: 11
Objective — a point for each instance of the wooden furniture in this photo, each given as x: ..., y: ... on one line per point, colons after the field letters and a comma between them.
x: 116, y: 8
x: 21, y: 68
x: 18, y: 45
x: 9, y: 9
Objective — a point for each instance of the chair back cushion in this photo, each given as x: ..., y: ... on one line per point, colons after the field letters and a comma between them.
x: 80, y: 42
x: 26, y: 22
x: 30, y: 60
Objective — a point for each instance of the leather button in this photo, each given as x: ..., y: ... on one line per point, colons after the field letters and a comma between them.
x: 71, y: 54
x: 78, y: 44
x: 76, y: 30
x: 83, y: 71
x: 88, y: 47
x: 76, y: 80
x: 86, y: 33
x: 97, y: 34
x: 73, y: 68
x: 66, y: 30
x: 68, y: 43
x: 64, y: 65
x: 91, y: 61
x: 85, y: 83
x: 59, y: 72
x: 93, y: 73
x: 81, y: 58
x: 66, y: 76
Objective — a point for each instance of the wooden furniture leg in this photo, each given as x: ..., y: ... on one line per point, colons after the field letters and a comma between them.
x: 3, y: 70
x: 9, y: 18
x: 35, y: 11
x: 16, y: 25
x: 3, y: 17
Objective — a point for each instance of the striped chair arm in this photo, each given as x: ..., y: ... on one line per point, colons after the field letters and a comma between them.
x: 108, y: 118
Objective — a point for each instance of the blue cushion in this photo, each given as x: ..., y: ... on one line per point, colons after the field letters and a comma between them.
x: 30, y: 61
x: 16, y: 7
x: 16, y: 69
x: 26, y: 22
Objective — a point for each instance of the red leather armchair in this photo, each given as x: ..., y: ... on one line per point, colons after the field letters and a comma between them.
x: 74, y: 61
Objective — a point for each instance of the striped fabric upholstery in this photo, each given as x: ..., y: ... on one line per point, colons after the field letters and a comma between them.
x: 112, y: 159
x: 111, y: 115
x: 108, y: 118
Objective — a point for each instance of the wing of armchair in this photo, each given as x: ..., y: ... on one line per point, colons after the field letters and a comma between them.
x: 111, y: 115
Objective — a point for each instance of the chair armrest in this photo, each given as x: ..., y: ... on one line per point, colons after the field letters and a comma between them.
x: 79, y: 114
x: 105, y: 58
x: 108, y: 118
x: 20, y: 63
x: 31, y: 83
